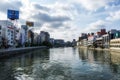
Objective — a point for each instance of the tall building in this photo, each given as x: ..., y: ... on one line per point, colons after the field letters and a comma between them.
x: 23, y: 34
x: 30, y: 37
x: 36, y: 39
x: 7, y: 33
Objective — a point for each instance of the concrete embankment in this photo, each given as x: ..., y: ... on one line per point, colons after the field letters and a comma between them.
x: 94, y: 48
x: 111, y: 49
x: 15, y: 51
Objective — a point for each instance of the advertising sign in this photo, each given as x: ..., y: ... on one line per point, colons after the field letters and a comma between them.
x: 29, y: 23
x: 12, y: 14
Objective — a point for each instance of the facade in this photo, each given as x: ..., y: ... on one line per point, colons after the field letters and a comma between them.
x: 84, y: 42
x: 115, y: 43
x: 52, y: 41
x: 99, y: 42
x: 91, y: 40
x: 23, y: 35
x: 59, y: 43
x: 112, y: 33
x: 7, y: 33
x: 44, y: 36
x: 0, y: 35
x: 106, y: 40
x: 30, y: 37
x: 36, y: 39
x: 74, y: 43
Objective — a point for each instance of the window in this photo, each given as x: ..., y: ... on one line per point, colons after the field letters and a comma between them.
x: 0, y: 27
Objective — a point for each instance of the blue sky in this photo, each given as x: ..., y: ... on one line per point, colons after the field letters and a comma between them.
x: 66, y: 19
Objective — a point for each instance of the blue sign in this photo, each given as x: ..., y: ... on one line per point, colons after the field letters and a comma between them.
x: 13, y: 14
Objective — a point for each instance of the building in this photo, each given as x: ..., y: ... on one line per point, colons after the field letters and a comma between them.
x: 30, y: 37
x: 52, y: 41
x: 36, y: 39
x: 115, y: 44
x: 91, y: 40
x: 0, y: 35
x: 83, y: 39
x: 44, y: 36
x: 99, y: 42
x: 23, y: 35
x: 84, y: 42
x: 59, y: 43
x: 7, y: 33
x: 106, y: 40
x: 112, y: 33
x: 74, y: 43
x: 103, y: 31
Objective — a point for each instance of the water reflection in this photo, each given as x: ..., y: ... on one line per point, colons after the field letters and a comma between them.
x: 93, y: 56
x: 62, y: 64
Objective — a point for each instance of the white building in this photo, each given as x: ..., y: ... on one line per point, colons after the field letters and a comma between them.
x: 7, y: 32
x: 91, y: 40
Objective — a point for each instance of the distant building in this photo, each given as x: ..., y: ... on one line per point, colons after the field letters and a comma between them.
x: 91, y: 40
x: 59, y: 43
x: 74, y: 43
x: 103, y: 31
x: 36, y: 39
x: 115, y: 44
x: 68, y: 44
x: 98, y: 42
x: 52, y: 41
x: 23, y: 35
x: 112, y: 33
x: 44, y: 36
x: 106, y: 40
x: 84, y: 42
x: 30, y: 37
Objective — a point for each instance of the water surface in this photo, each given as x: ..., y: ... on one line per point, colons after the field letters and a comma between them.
x: 62, y: 64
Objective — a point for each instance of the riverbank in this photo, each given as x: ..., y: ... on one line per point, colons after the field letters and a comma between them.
x: 15, y: 51
x: 94, y: 48
x: 104, y: 49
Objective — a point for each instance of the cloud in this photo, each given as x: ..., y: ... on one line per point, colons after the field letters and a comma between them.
x: 5, y: 5
x: 48, y: 18
x: 45, y: 14
x: 41, y: 7
x: 93, y: 5
x: 64, y: 19
x: 113, y: 16
x: 95, y: 26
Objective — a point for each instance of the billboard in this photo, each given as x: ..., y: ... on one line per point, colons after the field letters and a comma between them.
x: 12, y: 14
x: 29, y: 23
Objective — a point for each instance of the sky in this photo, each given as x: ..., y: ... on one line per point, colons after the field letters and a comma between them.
x: 65, y: 19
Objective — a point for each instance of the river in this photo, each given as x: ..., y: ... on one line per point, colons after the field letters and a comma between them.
x: 62, y: 64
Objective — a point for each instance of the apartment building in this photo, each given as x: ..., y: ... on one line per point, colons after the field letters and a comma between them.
x: 7, y: 33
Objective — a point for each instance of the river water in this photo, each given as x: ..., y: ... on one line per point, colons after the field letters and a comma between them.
x: 62, y: 64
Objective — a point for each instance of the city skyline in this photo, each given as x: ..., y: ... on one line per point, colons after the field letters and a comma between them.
x: 66, y: 19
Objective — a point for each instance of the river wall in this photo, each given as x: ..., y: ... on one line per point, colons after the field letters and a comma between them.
x: 103, y: 49
x: 15, y: 51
